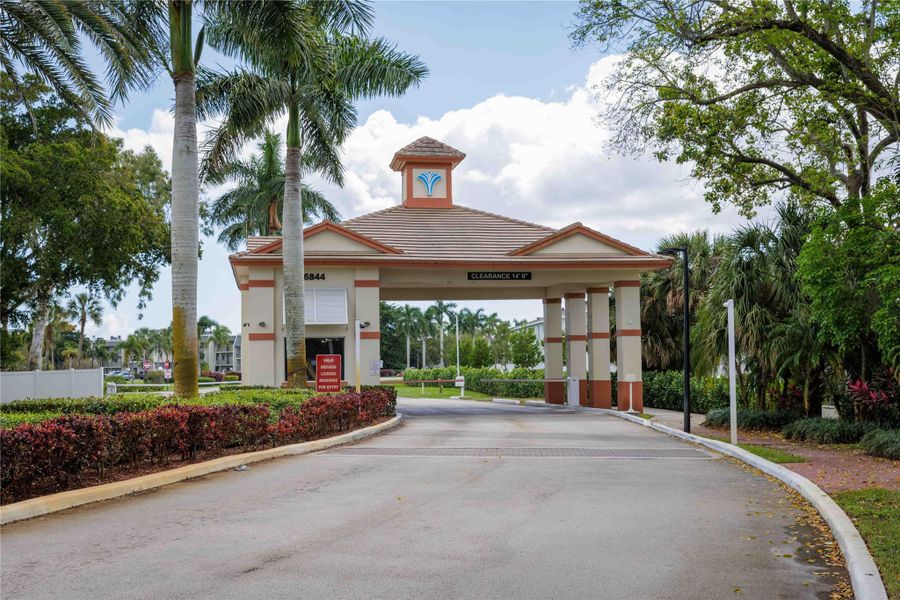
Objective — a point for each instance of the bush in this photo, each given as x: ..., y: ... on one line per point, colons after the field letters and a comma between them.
x: 116, y: 379
x: 749, y: 420
x: 882, y: 442
x: 211, y: 375
x: 206, y: 379
x: 59, y: 453
x: 231, y: 378
x: 154, y: 377
x: 233, y: 374
x: 827, y: 431
x: 665, y: 389
x: 475, y: 380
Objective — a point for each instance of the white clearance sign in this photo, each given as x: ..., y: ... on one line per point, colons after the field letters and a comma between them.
x: 499, y: 276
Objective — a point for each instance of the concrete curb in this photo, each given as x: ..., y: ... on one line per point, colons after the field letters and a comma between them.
x: 506, y: 401
x: 44, y: 505
x: 864, y: 576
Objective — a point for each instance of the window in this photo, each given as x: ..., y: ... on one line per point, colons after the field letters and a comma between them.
x: 326, y: 306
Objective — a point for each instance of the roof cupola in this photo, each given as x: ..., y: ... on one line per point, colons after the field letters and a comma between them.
x: 427, y: 168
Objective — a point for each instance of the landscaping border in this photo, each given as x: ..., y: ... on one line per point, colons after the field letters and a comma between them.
x: 864, y: 575
x: 43, y: 505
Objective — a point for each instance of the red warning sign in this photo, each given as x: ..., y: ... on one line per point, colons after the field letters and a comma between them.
x: 328, y: 372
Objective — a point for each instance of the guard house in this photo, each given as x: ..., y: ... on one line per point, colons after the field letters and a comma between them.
x: 431, y: 247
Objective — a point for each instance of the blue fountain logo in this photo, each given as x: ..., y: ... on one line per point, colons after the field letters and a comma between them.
x: 429, y: 178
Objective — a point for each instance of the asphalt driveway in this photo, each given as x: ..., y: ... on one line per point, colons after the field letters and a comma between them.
x: 464, y: 500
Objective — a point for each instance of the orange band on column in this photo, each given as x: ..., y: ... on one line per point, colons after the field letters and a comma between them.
x: 599, y: 335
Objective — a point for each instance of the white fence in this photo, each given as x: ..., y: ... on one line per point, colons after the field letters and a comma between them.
x: 17, y: 385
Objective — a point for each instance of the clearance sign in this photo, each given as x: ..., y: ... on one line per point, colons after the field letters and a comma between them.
x: 328, y: 372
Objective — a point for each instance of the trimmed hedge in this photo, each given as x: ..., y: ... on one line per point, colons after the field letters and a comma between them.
x: 475, y: 380
x: 665, y: 389
x: 882, y: 442
x: 749, y: 420
x: 59, y: 453
x: 827, y: 431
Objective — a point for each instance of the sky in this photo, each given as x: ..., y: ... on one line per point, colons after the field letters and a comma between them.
x: 506, y: 88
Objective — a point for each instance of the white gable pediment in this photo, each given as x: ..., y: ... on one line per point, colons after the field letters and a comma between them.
x: 578, y: 244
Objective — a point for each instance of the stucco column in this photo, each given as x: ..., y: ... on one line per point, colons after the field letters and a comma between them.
x: 628, y: 345
x: 576, y: 343
x: 554, y: 391
x: 368, y: 294
x: 258, y: 314
x: 599, y: 384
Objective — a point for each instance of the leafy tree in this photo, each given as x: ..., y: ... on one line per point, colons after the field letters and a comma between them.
x: 524, y: 348
x: 391, y: 337
x: 98, y: 351
x: 220, y: 336
x: 312, y: 62
x: 481, y: 353
x: 758, y: 98
x: 84, y: 306
x: 73, y: 212
x: 850, y: 268
x: 206, y: 325
x: 254, y: 205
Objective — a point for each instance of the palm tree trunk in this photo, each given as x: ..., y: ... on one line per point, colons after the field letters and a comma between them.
x: 81, y: 338
x: 294, y: 296
x: 185, y: 204
x: 441, y: 341
x: 424, y: 352
x: 39, y: 328
x: 407, y: 351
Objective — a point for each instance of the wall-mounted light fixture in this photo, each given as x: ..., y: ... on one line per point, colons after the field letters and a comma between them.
x: 262, y: 323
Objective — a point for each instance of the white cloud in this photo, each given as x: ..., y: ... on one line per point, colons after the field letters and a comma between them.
x: 541, y: 161
x: 536, y: 160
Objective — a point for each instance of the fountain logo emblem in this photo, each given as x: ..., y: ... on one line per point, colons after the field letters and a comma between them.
x: 429, y: 178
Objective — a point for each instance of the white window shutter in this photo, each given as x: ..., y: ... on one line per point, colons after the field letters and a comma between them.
x: 326, y: 306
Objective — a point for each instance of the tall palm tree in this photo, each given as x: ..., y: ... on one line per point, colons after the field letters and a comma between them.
x: 46, y: 39
x: 220, y: 337
x: 312, y: 64
x: 409, y: 323
x: 82, y: 307
x: 133, y: 347
x: 441, y: 310
x: 254, y: 205
x: 99, y: 352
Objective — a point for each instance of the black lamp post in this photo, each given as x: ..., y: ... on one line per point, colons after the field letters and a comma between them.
x: 687, y: 332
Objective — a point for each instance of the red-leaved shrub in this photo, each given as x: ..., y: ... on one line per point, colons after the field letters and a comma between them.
x: 57, y: 454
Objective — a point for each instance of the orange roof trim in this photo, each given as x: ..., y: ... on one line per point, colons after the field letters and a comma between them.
x: 577, y: 229
x: 335, y: 228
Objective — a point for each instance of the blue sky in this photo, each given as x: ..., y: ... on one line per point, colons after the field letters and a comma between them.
x: 505, y: 87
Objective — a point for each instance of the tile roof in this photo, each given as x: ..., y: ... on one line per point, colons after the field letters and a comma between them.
x: 456, y: 232
x: 426, y: 147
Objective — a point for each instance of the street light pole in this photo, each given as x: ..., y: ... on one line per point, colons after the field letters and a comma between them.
x: 686, y: 345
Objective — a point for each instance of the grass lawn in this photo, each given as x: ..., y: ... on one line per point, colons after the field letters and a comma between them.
x: 876, y: 513
x: 415, y: 391
x: 773, y: 454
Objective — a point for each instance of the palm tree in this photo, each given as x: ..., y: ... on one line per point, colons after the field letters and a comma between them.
x: 220, y: 337
x: 441, y: 310
x: 45, y: 39
x: 70, y: 352
x: 409, y: 323
x: 134, y: 346
x: 312, y: 65
x: 84, y: 306
x: 429, y: 326
x: 99, y: 351
x: 254, y: 205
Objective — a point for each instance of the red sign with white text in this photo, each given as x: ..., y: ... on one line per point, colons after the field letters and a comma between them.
x: 328, y: 372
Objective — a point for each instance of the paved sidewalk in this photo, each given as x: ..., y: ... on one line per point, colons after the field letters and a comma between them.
x: 831, y: 468
x: 464, y: 500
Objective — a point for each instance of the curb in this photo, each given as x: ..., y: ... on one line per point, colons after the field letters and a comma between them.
x: 506, y: 401
x: 864, y: 576
x: 43, y: 505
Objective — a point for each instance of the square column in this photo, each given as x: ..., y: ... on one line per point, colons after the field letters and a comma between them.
x: 576, y: 343
x: 628, y: 346
x: 599, y: 382
x: 258, y: 331
x: 367, y: 294
x: 554, y: 391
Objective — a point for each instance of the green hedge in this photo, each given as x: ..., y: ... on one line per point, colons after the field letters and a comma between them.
x: 475, y: 380
x: 665, y: 389
x: 750, y: 420
x: 827, y: 431
x: 34, y: 411
x: 882, y: 442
